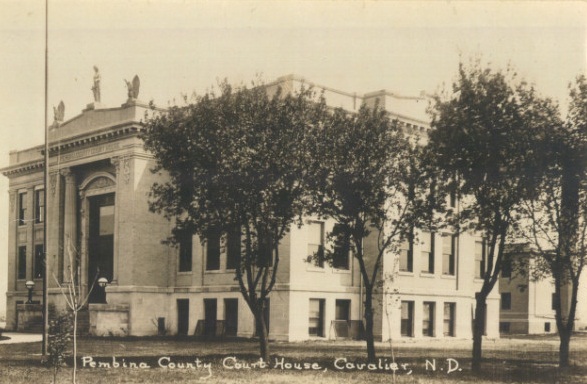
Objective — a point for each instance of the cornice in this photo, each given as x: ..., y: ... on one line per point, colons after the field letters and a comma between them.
x: 25, y: 168
x: 59, y: 147
x: 107, y: 134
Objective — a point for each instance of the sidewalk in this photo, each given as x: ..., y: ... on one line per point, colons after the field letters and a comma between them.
x: 16, y: 338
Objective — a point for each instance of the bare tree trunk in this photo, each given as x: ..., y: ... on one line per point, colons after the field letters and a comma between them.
x: 568, y: 239
x: 73, y: 377
x: 563, y: 351
x: 262, y: 333
x: 478, y: 330
x: 371, y: 356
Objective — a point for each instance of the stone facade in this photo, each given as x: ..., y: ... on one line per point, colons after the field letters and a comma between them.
x: 98, y: 223
x: 527, y: 304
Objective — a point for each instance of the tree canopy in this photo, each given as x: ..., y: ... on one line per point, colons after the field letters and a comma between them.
x: 488, y: 136
x: 370, y: 179
x: 239, y: 161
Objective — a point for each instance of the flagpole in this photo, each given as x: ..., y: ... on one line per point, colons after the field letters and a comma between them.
x: 45, y: 180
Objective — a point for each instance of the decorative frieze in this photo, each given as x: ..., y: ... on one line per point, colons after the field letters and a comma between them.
x: 122, y: 166
x: 12, y: 200
x: 126, y: 169
x: 53, y: 183
x: 100, y: 182
x: 92, y: 151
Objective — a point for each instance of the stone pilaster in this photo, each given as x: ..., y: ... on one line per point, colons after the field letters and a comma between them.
x: 30, y: 231
x: 84, y: 237
x: 69, y: 224
x: 118, y: 163
x: 12, y: 236
x: 53, y: 221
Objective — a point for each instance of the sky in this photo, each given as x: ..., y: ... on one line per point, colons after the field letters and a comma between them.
x: 180, y: 47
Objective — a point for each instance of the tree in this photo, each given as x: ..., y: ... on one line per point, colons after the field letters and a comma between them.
x: 74, y: 296
x: 59, y: 338
x: 487, y: 134
x: 237, y: 163
x: 368, y: 178
x: 557, y: 217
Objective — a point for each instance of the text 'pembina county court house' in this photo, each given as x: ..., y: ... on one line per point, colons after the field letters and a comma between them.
x: 97, y: 208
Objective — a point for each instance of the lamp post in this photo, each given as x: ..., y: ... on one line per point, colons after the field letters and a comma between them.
x: 30, y: 285
x: 103, y: 282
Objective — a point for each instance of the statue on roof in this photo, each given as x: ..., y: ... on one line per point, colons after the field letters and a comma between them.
x: 133, y: 88
x: 96, y: 86
x: 59, y: 112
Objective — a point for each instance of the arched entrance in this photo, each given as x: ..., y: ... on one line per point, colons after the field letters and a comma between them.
x: 98, y: 232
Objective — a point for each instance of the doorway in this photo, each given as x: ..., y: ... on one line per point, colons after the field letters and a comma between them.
x: 230, y: 317
x: 210, y: 307
x: 100, y: 244
x: 183, y: 316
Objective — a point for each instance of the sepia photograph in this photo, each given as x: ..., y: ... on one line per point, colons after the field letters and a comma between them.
x: 293, y: 191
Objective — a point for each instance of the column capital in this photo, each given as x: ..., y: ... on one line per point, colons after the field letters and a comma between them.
x: 116, y: 162
x: 12, y: 197
x: 68, y: 174
x: 122, y: 165
x: 53, y: 177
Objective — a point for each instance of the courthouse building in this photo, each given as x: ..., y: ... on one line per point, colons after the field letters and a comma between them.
x: 527, y: 304
x: 97, y: 212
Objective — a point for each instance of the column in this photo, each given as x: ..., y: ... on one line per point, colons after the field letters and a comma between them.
x: 52, y: 224
x: 30, y: 232
x: 116, y: 161
x: 83, y: 243
x: 69, y: 225
x: 12, y: 239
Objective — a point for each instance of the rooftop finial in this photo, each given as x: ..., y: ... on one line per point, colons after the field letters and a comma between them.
x: 133, y: 88
x: 96, y: 86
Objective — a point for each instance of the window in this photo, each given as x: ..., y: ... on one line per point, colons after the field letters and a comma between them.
x: 316, y: 242
x: 407, y: 325
x: 316, y: 318
x: 449, y: 319
x: 504, y: 327
x: 428, y: 319
x: 506, y: 300
x: 341, y: 252
x: 506, y: 268
x: 265, y: 248
x: 22, y: 208
x: 406, y: 255
x: 480, y: 258
x: 39, y: 206
x: 21, y: 263
x: 553, y: 301
x: 342, y: 310
x: 448, y: 254
x: 453, y: 198
x: 547, y: 327
x: 233, y: 248
x: 39, y: 265
x: 230, y: 317
x: 185, y: 252
x: 213, y: 250
x: 427, y: 252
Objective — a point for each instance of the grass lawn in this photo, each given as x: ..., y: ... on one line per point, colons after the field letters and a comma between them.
x: 513, y: 360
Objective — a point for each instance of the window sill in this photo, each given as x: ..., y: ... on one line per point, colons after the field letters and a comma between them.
x: 427, y: 275
x: 185, y: 273
x: 448, y: 277
x: 406, y: 273
x: 341, y: 271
